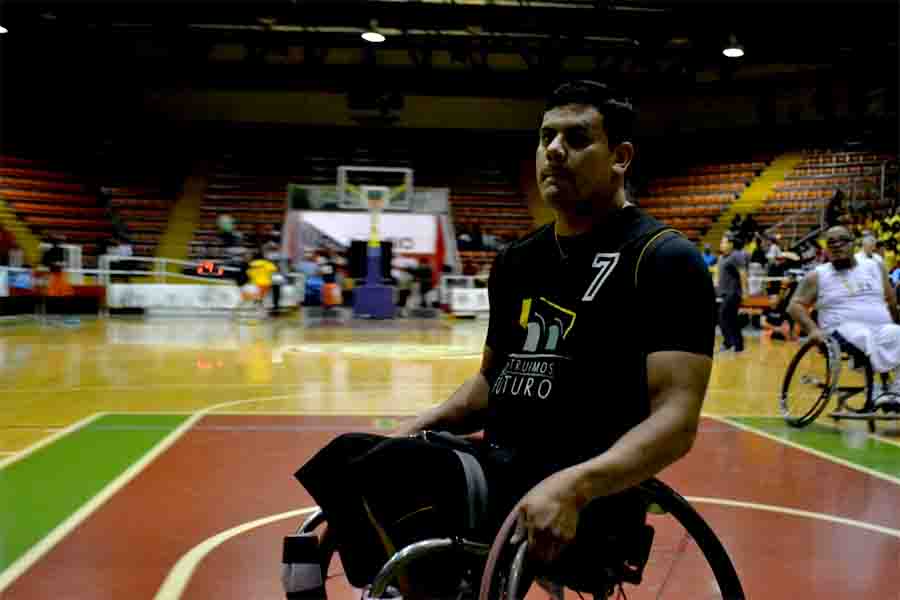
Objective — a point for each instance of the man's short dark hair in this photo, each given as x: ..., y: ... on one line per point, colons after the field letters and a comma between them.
x: 736, y: 241
x: 618, y: 112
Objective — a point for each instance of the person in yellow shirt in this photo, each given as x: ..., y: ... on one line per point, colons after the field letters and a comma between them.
x: 890, y: 255
x: 259, y: 273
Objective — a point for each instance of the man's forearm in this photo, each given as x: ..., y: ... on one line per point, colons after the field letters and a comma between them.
x: 463, y: 412
x: 801, y: 315
x: 640, y: 454
x: 895, y: 313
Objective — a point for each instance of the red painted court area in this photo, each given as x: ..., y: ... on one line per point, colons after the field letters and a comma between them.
x: 230, y: 470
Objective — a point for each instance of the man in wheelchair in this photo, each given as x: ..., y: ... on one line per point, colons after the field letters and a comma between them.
x: 856, y: 303
x: 596, y: 363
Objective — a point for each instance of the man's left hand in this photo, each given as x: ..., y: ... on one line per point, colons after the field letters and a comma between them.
x: 548, y: 517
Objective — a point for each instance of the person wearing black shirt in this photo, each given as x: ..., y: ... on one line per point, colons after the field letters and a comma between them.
x: 732, y: 282
x: 600, y: 338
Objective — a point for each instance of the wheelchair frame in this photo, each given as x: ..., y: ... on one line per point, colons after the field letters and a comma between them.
x: 834, y: 355
x: 660, y: 497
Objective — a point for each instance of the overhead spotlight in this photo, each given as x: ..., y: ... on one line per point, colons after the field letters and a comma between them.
x: 3, y: 29
x: 733, y: 49
x: 373, y: 35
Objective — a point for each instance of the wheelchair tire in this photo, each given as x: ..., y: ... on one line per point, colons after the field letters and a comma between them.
x: 798, y: 410
x: 504, y: 558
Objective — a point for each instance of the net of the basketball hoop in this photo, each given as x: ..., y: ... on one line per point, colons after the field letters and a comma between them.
x: 375, y: 197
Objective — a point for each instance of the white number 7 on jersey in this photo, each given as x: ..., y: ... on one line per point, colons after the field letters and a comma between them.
x: 605, y: 263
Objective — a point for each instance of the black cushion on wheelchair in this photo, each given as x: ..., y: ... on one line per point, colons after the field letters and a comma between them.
x: 382, y: 494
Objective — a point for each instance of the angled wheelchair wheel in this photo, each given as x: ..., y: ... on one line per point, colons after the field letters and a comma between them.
x: 811, y: 378
x: 686, y: 560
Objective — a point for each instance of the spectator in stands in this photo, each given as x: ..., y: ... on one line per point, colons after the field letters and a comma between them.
x: 735, y: 227
x: 890, y: 254
x: 424, y: 276
x: 708, y: 257
x: 464, y: 239
x: 775, y: 321
x: 774, y: 251
x: 272, y: 253
x: 758, y: 256
x: 868, y: 248
x: 6, y: 243
x: 732, y: 273
x: 477, y: 237
x: 749, y: 228
x: 835, y: 209
x: 403, y: 272
x: 54, y: 261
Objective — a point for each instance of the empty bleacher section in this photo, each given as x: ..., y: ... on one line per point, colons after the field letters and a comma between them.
x: 692, y: 200
x: 52, y: 199
x: 139, y: 207
x: 253, y: 201
x: 796, y: 205
x: 485, y: 200
x: 57, y: 198
x: 488, y: 210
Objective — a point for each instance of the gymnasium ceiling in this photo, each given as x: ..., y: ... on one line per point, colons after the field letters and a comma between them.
x: 505, y: 48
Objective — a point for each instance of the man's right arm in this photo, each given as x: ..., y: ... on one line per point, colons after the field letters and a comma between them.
x: 464, y: 411
x: 806, y: 296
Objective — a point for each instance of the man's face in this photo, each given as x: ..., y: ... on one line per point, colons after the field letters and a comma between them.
x: 574, y: 162
x: 840, y: 246
x: 868, y: 245
x: 725, y: 246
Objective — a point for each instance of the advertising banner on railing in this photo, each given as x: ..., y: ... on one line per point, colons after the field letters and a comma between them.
x: 163, y: 296
x: 469, y: 301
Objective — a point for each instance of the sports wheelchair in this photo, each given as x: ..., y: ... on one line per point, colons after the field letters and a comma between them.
x: 504, y: 572
x: 815, y: 374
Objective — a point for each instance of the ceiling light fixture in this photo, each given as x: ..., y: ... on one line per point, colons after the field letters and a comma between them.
x: 733, y: 49
x: 3, y: 29
x: 373, y: 35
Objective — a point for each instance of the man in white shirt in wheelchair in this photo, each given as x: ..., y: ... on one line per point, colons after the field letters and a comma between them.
x: 854, y: 297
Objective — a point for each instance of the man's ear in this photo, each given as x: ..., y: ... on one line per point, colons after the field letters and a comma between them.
x: 623, y: 154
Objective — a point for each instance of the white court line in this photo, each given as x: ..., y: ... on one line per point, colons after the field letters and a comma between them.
x: 318, y: 413
x: 36, y: 552
x: 165, y: 386
x: 794, y: 512
x: 180, y: 575
x: 812, y: 451
x: 17, y: 456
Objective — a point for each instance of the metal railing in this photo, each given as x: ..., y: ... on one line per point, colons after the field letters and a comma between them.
x: 159, y: 270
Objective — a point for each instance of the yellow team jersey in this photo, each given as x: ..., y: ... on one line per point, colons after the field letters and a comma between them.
x: 890, y: 259
x: 260, y: 272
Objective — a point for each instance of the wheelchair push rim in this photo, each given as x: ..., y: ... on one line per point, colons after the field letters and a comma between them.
x: 503, y: 573
x: 809, y: 382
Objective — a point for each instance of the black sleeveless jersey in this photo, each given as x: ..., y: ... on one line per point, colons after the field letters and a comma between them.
x: 571, y: 377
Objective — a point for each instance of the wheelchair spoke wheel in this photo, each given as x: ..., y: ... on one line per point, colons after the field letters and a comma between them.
x: 853, y: 390
x: 808, y: 384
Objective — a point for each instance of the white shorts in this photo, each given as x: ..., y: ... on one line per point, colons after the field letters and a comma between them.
x: 881, y: 343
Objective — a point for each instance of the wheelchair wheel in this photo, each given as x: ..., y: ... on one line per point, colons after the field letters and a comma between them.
x: 809, y: 382
x: 686, y: 559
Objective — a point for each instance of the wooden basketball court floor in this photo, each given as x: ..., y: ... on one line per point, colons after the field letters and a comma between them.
x: 154, y: 458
